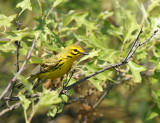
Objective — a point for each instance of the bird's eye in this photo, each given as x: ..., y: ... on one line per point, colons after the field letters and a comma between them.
x: 75, y: 50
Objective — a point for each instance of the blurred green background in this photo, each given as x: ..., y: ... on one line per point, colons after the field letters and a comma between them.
x: 127, y: 103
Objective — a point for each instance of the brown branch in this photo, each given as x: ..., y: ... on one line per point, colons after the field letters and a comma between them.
x: 14, y: 106
x: 19, y: 72
x: 134, y: 43
x: 140, y: 44
x: 17, y: 58
x: 18, y: 46
x: 126, y: 60
x: 17, y: 98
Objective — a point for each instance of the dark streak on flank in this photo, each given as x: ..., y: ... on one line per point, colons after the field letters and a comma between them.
x: 69, y: 56
x: 57, y: 67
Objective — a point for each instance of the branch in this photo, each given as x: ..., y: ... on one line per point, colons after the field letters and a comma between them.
x: 17, y: 98
x: 134, y: 43
x: 17, y: 57
x: 19, y: 72
x: 126, y: 60
x: 14, y: 106
x: 140, y: 44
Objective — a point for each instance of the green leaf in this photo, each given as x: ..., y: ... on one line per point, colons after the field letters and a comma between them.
x: 18, y: 35
x: 52, y: 111
x: 10, y: 48
x: 6, y: 21
x: 136, y: 69
x: 26, y: 83
x: 49, y: 98
x: 70, y: 82
x: 95, y: 41
x: 25, y: 4
x: 156, y: 97
x: 25, y: 102
x: 108, y: 55
x: 64, y: 97
x: 144, y: 12
x: 131, y: 25
x: 153, y: 113
x: 57, y: 2
x: 60, y: 108
x: 96, y: 83
x: 153, y: 5
x: 105, y: 14
x: 81, y: 19
x: 68, y: 18
x: 91, y: 54
x: 35, y: 60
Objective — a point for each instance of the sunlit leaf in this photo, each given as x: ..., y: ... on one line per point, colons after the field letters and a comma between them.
x: 96, y: 83
x: 25, y: 102
x: 68, y: 18
x: 131, y: 25
x: 52, y: 111
x: 65, y: 98
x: 6, y: 20
x: 136, y: 69
x: 48, y: 98
x: 35, y: 60
x: 153, y: 5
x: 25, y: 4
x: 57, y: 2
x: 26, y: 83
x: 91, y: 54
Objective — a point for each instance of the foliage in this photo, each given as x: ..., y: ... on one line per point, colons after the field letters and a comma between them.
x: 106, y: 34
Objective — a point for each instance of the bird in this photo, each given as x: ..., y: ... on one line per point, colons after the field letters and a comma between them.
x: 58, y: 65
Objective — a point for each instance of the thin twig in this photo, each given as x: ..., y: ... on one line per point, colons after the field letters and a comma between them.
x: 134, y: 43
x: 19, y: 72
x: 17, y: 98
x: 17, y: 55
x: 17, y: 58
x: 65, y: 85
x: 14, y: 106
x: 18, y: 104
x: 140, y: 44
x: 153, y: 34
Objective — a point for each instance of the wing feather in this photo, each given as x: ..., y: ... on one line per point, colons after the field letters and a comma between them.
x: 47, y: 65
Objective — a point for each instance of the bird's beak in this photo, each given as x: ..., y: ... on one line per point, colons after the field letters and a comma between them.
x: 85, y: 53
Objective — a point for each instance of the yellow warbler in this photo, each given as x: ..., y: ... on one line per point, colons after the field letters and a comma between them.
x: 57, y: 65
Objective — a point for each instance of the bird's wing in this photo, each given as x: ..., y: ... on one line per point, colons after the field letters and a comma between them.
x: 47, y: 65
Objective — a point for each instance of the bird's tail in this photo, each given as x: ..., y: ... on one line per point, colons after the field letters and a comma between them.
x: 20, y: 85
x: 36, y: 82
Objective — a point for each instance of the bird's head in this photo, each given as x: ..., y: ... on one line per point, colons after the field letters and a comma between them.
x: 74, y: 51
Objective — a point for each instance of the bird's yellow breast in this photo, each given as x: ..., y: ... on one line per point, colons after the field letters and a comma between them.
x: 59, y: 72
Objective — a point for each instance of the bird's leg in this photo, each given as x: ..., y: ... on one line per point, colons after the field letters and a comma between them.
x: 61, y: 80
x: 65, y: 85
x: 36, y: 83
x: 73, y: 98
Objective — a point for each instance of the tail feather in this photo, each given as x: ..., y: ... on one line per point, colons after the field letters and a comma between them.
x: 19, y: 85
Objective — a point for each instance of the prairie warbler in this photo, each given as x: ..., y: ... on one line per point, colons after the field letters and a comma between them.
x: 57, y: 65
